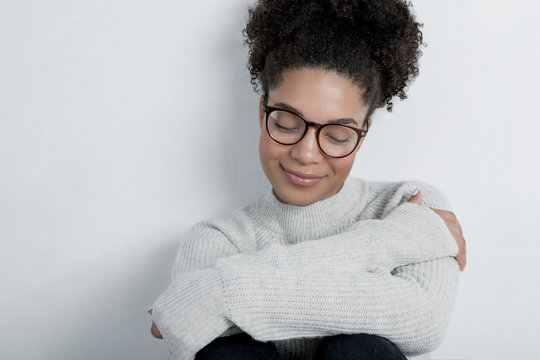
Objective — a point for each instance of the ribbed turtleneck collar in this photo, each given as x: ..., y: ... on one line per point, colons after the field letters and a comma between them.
x: 322, y: 218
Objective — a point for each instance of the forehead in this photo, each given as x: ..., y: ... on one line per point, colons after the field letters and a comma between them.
x: 319, y: 94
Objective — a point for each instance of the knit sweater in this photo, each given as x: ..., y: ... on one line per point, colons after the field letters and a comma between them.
x: 361, y: 261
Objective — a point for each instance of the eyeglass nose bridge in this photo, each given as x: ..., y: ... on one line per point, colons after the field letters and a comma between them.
x: 317, y: 130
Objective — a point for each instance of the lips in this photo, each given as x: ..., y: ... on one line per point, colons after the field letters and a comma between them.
x: 302, y: 175
x: 301, y: 179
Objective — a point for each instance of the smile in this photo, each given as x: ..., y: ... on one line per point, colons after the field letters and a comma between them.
x: 301, y: 179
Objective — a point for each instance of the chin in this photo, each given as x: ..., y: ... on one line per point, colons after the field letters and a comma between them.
x: 299, y: 197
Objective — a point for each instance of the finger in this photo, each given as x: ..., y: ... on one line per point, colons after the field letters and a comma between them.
x: 416, y: 199
x: 464, y: 253
x: 461, y: 257
x: 447, y: 216
x: 155, y: 331
x: 462, y: 261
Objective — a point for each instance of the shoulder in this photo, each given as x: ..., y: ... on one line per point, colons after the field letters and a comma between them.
x: 384, y: 196
x: 237, y: 227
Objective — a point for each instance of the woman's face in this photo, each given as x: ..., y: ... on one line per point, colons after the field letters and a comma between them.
x: 319, y: 96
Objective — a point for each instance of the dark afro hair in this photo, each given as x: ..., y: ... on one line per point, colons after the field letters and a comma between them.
x: 374, y: 43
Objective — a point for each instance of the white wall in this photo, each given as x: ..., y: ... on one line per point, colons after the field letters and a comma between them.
x: 122, y: 123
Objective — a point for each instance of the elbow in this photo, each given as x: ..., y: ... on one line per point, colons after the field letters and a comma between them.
x: 428, y: 317
x: 428, y: 343
x: 427, y: 334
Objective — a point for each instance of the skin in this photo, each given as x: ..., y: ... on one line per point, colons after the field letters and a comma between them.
x: 455, y: 229
x: 154, y: 329
x: 319, y: 96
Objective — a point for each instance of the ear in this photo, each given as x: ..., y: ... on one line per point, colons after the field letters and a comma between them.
x: 261, y: 111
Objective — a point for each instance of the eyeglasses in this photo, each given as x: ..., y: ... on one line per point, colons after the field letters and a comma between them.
x: 288, y: 128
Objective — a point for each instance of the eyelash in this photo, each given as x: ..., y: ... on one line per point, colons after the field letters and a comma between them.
x: 283, y: 127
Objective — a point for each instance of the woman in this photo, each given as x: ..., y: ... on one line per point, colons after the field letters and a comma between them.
x: 322, y: 266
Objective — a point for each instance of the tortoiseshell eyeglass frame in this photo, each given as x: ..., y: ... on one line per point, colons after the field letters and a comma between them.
x: 268, y: 110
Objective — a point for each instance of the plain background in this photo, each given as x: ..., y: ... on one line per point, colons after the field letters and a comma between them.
x: 122, y: 123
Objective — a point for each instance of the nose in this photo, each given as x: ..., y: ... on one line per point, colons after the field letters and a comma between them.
x: 307, y: 151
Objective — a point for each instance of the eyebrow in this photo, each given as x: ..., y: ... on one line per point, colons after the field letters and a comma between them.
x: 336, y: 121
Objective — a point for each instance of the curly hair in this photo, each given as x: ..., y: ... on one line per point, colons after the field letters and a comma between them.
x: 374, y: 43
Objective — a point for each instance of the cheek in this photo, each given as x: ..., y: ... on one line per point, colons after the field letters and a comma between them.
x: 342, y: 167
x: 270, y: 150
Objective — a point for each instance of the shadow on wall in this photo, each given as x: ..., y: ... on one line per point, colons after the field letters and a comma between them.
x: 119, y: 326
x: 122, y: 318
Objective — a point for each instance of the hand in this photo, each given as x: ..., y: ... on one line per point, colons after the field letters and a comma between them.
x: 154, y: 329
x: 454, y: 227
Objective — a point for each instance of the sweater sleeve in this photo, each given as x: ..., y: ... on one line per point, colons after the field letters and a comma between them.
x: 203, y: 245
x: 410, y: 306
x: 195, y: 257
x: 410, y: 233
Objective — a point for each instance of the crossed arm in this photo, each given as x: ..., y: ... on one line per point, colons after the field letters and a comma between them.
x: 386, y: 288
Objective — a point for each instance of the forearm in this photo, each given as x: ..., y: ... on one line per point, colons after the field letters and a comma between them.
x: 411, y: 233
x: 410, y: 306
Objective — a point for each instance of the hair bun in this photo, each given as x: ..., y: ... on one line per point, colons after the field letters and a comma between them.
x: 345, y: 8
x: 374, y: 42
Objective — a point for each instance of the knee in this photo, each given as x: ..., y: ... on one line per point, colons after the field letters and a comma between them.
x: 238, y: 347
x: 357, y: 346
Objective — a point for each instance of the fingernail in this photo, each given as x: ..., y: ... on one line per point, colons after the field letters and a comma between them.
x: 415, y: 192
x: 148, y: 310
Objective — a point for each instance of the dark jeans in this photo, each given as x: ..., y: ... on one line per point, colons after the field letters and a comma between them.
x: 238, y: 347
x: 339, y: 347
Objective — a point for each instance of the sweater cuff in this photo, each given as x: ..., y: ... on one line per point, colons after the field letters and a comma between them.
x: 427, y: 222
x: 190, y: 312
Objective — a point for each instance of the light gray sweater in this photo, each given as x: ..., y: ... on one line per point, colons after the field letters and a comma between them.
x: 362, y: 261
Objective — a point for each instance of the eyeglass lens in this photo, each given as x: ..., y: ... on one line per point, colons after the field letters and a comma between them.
x: 287, y: 128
